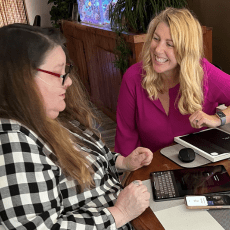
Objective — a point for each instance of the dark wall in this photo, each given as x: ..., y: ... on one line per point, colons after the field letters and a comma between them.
x: 216, y: 14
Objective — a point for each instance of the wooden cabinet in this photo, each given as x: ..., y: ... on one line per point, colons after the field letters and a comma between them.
x: 92, y: 50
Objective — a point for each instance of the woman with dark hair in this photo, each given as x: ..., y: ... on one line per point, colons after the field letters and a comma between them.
x: 55, y: 172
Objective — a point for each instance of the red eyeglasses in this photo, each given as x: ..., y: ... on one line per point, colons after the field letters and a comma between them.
x: 64, y: 77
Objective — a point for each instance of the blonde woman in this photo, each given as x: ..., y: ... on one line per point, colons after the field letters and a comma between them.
x: 174, y: 90
x: 55, y: 172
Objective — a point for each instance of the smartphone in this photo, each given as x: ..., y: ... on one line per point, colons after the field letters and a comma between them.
x: 207, y: 201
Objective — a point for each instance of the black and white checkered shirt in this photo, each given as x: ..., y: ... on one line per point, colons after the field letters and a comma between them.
x: 34, y: 192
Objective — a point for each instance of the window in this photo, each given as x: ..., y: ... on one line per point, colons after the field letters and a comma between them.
x: 12, y: 11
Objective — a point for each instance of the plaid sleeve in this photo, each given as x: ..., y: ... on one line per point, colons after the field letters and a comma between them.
x: 112, y: 157
x: 30, y: 197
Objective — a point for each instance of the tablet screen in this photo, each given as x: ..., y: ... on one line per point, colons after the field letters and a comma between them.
x: 175, y: 184
x: 211, y: 140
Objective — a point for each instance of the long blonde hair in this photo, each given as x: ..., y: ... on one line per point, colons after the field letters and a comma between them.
x: 22, y: 50
x: 187, y: 38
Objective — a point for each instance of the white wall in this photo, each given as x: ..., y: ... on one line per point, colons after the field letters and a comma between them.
x: 39, y: 7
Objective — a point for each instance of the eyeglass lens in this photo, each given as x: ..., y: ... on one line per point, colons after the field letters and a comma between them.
x: 68, y: 68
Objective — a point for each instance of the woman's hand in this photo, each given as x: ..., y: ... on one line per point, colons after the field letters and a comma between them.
x: 131, y: 202
x: 137, y: 158
x: 200, y: 119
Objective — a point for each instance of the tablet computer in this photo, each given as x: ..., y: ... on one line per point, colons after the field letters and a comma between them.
x: 175, y: 184
x: 213, y: 144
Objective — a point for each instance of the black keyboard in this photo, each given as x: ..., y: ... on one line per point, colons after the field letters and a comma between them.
x: 164, y: 185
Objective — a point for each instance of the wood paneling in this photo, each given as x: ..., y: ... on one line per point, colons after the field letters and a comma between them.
x: 76, y: 47
x: 110, y: 79
x: 92, y: 50
x: 207, y: 36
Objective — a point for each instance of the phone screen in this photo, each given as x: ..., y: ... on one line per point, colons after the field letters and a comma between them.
x: 196, y: 201
x: 214, y: 200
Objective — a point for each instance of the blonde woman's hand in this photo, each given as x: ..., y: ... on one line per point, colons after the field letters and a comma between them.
x: 200, y: 119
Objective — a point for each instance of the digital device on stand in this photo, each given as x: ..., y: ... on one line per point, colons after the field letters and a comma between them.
x: 213, y: 144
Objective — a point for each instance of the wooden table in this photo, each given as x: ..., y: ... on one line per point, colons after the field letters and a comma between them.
x: 148, y: 219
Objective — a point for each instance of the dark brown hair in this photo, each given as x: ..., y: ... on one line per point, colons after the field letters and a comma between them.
x: 23, y: 49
